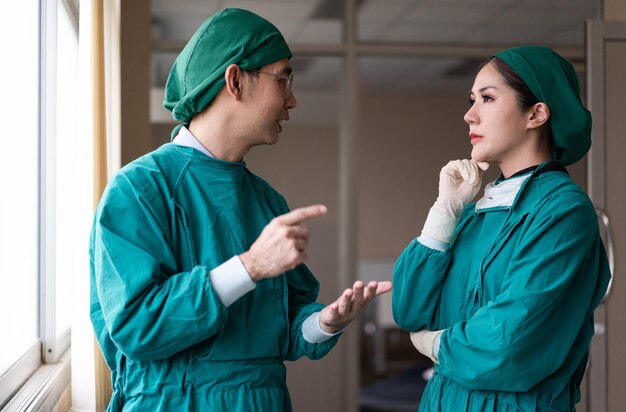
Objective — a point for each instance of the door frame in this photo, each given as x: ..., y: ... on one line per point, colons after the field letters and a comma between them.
x: 598, y: 33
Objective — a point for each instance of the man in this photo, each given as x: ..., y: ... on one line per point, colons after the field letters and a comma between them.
x: 198, y: 289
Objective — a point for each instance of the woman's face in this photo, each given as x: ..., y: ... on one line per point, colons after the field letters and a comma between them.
x: 497, y: 124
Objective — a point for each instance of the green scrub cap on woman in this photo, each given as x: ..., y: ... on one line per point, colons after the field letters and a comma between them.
x: 231, y: 36
x: 553, y: 81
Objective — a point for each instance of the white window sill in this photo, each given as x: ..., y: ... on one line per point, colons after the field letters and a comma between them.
x: 44, y: 388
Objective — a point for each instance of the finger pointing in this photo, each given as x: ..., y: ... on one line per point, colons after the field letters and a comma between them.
x: 301, y: 214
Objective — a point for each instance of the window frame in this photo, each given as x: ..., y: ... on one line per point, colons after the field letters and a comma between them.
x: 42, y: 374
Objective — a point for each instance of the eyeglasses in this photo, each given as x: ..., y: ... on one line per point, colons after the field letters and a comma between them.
x: 285, y: 80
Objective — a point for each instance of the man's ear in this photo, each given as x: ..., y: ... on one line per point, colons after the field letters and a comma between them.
x: 233, y: 77
x: 539, y: 115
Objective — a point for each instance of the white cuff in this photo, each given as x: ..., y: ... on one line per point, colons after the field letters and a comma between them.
x: 431, y: 243
x: 439, y: 225
x: 231, y: 280
x: 312, y: 332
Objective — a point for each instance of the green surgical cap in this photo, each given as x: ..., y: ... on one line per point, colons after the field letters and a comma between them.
x: 231, y: 36
x: 553, y: 81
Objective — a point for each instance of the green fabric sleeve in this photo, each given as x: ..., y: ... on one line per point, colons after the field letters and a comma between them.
x: 150, y: 311
x: 418, y: 271
x: 421, y: 271
x: 543, y: 317
x: 303, y: 291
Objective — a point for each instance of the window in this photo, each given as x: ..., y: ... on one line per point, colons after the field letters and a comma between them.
x: 43, y: 236
x: 70, y: 204
x: 19, y: 180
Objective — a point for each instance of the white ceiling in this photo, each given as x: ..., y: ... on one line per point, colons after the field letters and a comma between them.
x: 557, y: 23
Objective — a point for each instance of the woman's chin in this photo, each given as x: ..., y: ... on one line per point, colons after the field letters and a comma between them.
x: 479, y: 157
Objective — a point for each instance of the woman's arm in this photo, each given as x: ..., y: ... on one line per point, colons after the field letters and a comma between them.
x: 418, y: 277
x: 554, y: 280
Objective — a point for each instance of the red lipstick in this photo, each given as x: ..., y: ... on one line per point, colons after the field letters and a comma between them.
x: 475, y: 138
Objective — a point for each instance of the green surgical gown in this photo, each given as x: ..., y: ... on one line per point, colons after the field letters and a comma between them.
x: 164, y: 221
x: 515, y: 295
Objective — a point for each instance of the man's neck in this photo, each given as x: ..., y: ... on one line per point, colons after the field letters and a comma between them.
x: 216, y: 135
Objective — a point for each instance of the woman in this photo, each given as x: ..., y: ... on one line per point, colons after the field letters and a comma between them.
x: 500, y: 293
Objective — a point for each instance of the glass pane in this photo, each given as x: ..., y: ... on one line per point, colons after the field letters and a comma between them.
x: 161, y: 65
x: 304, y: 167
x: 70, y: 202
x: 19, y: 180
x: 300, y: 21
x: 561, y: 22
x: 411, y: 124
x: 417, y: 75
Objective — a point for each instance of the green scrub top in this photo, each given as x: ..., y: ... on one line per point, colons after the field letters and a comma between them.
x: 164, y: 221
x: 515, y: 295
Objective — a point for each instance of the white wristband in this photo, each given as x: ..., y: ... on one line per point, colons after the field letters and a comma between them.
x: 431, y: 243
x: 231, y: 280
x: 312, y: 331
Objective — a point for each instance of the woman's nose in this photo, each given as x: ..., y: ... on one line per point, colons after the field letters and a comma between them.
x: 470, y: 116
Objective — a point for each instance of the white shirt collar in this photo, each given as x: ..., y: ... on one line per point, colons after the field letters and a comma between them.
x: 185, y: 138
x: 503, y: 194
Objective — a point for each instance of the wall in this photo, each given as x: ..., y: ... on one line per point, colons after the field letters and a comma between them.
x: 303, y: 166
x: 405, y: 142
x: 615, y: 95
x: 135, y: 79
x: 616, y: 204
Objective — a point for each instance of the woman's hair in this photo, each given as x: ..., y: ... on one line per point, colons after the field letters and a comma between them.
x: 525, y: 96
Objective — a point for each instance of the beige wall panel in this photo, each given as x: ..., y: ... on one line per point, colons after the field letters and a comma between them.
x: 615, y: 53
x: 614, y: 10
x: 135, y: 79
x: 406, y: 141
x: 303, y: 166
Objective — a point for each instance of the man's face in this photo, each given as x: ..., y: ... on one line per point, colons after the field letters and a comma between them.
x: 268, y: 101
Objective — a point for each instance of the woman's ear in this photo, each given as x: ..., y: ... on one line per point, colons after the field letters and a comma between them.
x: 233, y: 78
x: 539, y: 115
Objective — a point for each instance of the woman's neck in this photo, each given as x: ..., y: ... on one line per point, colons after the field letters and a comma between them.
x: 512, y: 166
x: 535, y: 152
